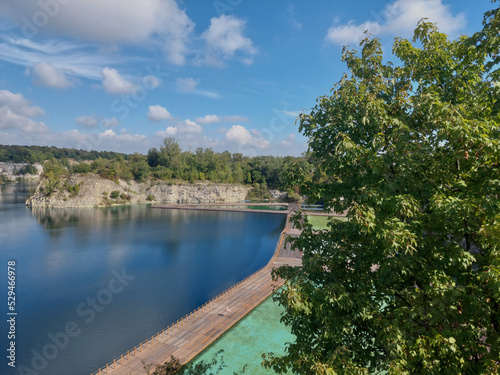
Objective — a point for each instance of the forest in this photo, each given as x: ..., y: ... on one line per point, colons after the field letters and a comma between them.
x: 168, y: 163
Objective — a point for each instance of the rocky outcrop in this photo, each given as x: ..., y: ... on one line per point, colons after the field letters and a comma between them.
x: 93, y: 191
x: 278, y: 194
x: 11, y: 171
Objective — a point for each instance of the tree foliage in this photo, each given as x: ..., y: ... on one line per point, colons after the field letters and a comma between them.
x: 212, y: 367
x: 411, y: 283
x: 170, y: 162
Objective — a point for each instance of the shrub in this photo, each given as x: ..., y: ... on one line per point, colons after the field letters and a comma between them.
x: 114, y: 194
x: 125, y: 196
x: 27, y: 169
x: 81, y: 168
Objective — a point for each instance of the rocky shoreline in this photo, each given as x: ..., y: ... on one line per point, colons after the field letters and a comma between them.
x: 94, y: 191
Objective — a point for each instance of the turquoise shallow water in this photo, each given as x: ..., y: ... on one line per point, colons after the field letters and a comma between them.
x: 116, y: 275
x: 259, y: 332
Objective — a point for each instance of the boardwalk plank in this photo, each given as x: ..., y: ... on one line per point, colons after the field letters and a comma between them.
x: 188, y: 339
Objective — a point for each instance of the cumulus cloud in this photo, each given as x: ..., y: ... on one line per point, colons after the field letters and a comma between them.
x: 189, y: 127
x: 110, y: 21
x: 208, y: 119
x: 49, y: 76
x: 186, y: 129
x: 114, y: 83
x: 224, y: 40
x: 16, y: 113
x: 238, y: 134
x: 170, y: 131
x: 158, y: 113
x: 399, y: 19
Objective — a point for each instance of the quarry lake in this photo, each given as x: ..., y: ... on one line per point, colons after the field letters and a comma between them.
x: 92, y: 283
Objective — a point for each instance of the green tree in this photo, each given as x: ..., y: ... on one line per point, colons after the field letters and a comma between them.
x: 81, y: 168
x: 411, y: 283
x: 139, y: 167
x: 153, y: 157
x: 170, y: 153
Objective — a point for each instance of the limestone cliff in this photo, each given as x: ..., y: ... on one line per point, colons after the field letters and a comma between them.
x: 10, y: 171
x: 93, y: 191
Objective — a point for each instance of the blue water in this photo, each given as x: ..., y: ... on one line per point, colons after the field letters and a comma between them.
x: 93, y: 283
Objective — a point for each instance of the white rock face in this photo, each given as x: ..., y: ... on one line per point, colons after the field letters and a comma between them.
x: 95, y: 191
x: 10, y: 170
x: 278, y: 194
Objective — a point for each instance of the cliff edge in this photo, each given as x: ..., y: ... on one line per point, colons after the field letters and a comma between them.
x: 94, y: 191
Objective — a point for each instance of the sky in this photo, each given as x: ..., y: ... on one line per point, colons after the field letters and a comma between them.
x: 121, y: 75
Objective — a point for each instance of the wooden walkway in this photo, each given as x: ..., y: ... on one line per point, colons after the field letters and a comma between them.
x: 192, y: 334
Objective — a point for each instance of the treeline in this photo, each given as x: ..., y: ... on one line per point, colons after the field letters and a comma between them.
x: 38, y: 154
x: 171, y: 163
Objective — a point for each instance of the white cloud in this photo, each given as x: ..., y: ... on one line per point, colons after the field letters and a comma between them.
x: 16, y: 114
x: 74, y: 59
x: 170, y: 131
x: 189, y: 127
x: 187, y: 84
x: 251, y: 141
x: 158, y: 113
x: 114, y: 83
x: 399, y: 19
x: 224, y: 40
x: 238, y: 134
x: 110, y: 21
x: 208, y: 119
x: 50, y: 76
x: 186, y: 129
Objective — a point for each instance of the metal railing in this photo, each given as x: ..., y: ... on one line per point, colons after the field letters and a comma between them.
x: 160, y: 334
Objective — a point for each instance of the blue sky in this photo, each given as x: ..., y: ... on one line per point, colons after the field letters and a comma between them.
x: 121, y: 75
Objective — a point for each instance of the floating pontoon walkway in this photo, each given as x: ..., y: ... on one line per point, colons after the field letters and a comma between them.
x: 190, y: 335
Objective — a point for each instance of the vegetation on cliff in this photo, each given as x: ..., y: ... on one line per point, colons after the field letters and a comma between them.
x: 168, y: 163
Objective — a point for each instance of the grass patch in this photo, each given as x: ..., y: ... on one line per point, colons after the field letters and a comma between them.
x: 320, y: 222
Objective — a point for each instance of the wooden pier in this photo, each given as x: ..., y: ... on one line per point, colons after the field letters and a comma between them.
x: 192, y: 334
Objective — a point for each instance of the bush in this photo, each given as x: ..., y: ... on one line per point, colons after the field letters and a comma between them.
x: 73, y: 189
x: 81, y: 168
x: 114, y: 194
x: 125, y: 196
x: 150, y: 197
x: 27, y: 169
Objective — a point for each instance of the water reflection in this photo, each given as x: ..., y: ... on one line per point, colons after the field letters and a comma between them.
x: 179, y: 260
